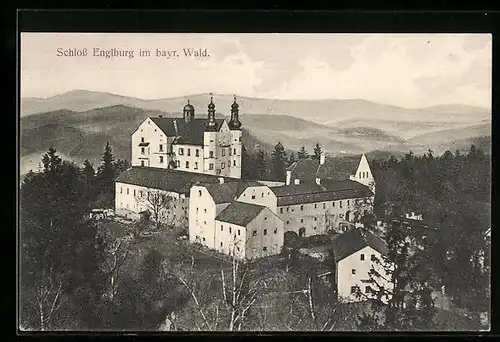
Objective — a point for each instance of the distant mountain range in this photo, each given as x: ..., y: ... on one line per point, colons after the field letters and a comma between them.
x: 78, y: 124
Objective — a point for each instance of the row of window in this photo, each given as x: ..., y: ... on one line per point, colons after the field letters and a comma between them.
x: 261, y: 195
x: 264, y: 232
x: 264, y: 249
x: 288, y: 209
x: 341, y: 215
x: 363, y: 174
x: 197, y: 152
x: 230, y: 229
x: 362, y: 258
x: 354, y: 289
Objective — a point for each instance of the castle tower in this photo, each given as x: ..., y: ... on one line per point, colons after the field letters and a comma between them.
x: 236, y: 143
x: 235, y: 123
x: 210, y: 123
x: 210, y: 141
x: 188, y: 112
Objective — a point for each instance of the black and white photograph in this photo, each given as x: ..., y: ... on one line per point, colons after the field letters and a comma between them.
x: 254, y: 182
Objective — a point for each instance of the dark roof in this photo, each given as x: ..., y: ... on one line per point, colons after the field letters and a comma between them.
x: 338, y: 168
x: 354, y: 240
x: 189, y: 133
x: 328, y: 191
x: 227, y: 192
x: 166, y: 179
x: 240, y: 213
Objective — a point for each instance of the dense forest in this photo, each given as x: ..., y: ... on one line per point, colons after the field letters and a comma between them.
x: 453, y: 192
x: 72, y: 273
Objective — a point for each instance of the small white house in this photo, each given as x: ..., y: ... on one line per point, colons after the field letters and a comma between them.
x: 248, y: 231
x: 355, y: 253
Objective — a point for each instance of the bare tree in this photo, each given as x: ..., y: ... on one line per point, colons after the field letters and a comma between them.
x: 159, y: 203
x: 117, y: 250
x: 219, y: 301
x: 48, y: 298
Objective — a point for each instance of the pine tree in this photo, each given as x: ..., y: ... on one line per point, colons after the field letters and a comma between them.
x: 88, y: 174
x: 106, y: 174
x: 400, y: 288
x: 279, y: 162
x: 302, y: 154
x: 317, y: 151
x: 247, y: 164
x: 52, y: 163
x: 260, y: 165
x: 120, y: 166
x: 60, y: 253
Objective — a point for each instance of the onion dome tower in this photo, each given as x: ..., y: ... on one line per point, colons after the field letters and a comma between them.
x: 188, y: 112
x: 235, y: 122
x: 210, y: 123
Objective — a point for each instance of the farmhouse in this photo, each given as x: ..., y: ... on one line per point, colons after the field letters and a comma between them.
x: 355, y: 253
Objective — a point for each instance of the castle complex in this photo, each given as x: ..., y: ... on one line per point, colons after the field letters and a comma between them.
x: 196, y: 163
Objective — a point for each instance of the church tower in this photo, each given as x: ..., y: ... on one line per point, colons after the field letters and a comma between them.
x: 210, y: 141
x: 235, y: 123
x: 236, y: 143
x: 188, y: 112
x: 210, y: 123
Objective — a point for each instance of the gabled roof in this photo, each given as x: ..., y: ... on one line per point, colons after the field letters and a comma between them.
x: 228, y: 192
x: 240, y: 213
x: 166, y: 179
x: 189, y: 133
x: 354, y: 240
x: 329, y: 190
x: 339, y: 168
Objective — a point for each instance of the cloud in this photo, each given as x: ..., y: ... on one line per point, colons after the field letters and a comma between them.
x: 409, y: 70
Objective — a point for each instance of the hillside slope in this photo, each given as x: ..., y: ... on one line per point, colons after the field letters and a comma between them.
x: 328, y: 112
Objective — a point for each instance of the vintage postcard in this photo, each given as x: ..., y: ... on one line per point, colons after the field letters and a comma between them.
x: 254, y: 182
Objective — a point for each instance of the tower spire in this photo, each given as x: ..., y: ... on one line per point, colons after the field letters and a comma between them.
x: 210, y: 124
x: 235, y: 123
x: 188, y: 112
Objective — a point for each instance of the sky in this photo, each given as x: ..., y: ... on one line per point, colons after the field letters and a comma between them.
x: 407, y: 70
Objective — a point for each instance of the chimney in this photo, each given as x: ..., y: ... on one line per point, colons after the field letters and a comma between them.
x: 221, y: 180
x: 288, y: 176
x: 322, y: 158
x: 318, y: 181
x: 160, y: 116
x: 296, y: 181
x: 175, y: 127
